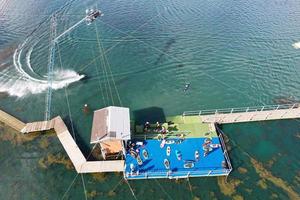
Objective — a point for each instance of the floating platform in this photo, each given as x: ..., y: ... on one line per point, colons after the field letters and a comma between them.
x: 196, y: 134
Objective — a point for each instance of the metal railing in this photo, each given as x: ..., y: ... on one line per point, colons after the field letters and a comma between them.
x: 225, y: 153
x: 178, y: 174
x: 241, y: 109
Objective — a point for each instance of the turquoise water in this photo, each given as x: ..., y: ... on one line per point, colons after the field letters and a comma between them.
x: 234, y: 53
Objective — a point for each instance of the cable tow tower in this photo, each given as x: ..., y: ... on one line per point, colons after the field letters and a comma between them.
x: 91, y: 15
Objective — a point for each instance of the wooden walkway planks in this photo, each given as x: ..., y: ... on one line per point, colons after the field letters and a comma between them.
x: 251, y: 116
x: 80, y: 163
x: 38, y: 126
x: 103, y: 166
x: 72, y: 150
x: 11, y: 121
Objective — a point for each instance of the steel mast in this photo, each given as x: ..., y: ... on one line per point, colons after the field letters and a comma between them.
x: 91, y: 15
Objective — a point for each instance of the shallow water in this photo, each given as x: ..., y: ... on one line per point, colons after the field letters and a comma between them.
x: 234, y: 53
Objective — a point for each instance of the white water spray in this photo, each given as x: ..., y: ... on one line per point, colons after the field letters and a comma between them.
x: 20, y: 83
x: 296, y: 45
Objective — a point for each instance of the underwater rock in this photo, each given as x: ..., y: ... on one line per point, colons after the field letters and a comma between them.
x: 274, y: 196
x: 242, y: 170
x: 228, y: 188
x: 271, y: 162
x: 248, y: 190
x: 285, y: 100
x: 16, y: 138
x: 99, y: 176
x: 196, y: 198
x: 44, y: 143
x: 111, y: 193
x: 265, y: 174
x: 55, y: 159
x: 262, y: 184
x: 91, y: 194
x: 237, y: 197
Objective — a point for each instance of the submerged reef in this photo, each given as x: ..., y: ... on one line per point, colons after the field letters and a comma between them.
x: 99, y: 176
x: 267, y: 175
x: 55, y: 159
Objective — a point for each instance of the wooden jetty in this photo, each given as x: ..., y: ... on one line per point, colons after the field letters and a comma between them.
x: 11, y: 121
x: 222, y: 116
x: 79, y: 161
x: 247, y: 114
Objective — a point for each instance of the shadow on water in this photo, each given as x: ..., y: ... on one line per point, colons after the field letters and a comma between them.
x: 165, y: 50
x: 285, y: 100
x: 85, y: 149
x: 151, y: 114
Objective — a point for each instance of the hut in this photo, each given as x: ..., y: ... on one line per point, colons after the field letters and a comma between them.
x: 111, y: 129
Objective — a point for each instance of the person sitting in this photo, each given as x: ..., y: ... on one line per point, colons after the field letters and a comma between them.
x: 163, y: 130
x: 158, y: 127
x: 147, y: 127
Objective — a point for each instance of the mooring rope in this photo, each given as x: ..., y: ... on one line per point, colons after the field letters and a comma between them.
x: 132, y: 192
x: 77, y: 174
x: 69, y: 186
x: 84, y: 188
x: 163, y: 189
x: 191, y: 188
x: 119, y: 183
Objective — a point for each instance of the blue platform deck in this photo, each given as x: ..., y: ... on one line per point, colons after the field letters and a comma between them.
x: 153, y: 167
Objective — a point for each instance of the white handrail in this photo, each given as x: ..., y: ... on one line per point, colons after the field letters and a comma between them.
x: 241, y: 109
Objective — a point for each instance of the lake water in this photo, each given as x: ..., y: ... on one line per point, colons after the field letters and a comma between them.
x: 233, y: 54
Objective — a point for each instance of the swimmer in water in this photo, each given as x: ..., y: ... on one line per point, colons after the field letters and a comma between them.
x: 186, y: 87
x: 86, y: 109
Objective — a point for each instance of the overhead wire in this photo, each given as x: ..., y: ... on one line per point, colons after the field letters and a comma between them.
x: 175, y: 58
x: 66, y: 95
x: 123, y: 39
x: 84, y: 187
x: 103, y: 63
x: 68, y: 189
x: 109, y: 69
x: 169, y: 197
x: 100, y: 85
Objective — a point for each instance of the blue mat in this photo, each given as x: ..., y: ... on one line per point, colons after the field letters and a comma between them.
x: 154, y: 165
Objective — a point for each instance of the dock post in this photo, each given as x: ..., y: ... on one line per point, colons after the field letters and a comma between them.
x: 267, y: 115
x: 209, y: 173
